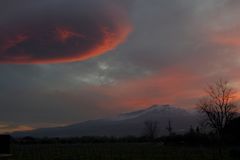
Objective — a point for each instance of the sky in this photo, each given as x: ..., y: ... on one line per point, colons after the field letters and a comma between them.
x: 67, y: 61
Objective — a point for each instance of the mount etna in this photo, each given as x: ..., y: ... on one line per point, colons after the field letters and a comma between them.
x: 126, y: 124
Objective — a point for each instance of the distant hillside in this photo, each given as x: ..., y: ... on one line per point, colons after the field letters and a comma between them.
x: 126, y: 124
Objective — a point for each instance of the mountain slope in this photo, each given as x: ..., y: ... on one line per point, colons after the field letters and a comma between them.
x: 124, y: 124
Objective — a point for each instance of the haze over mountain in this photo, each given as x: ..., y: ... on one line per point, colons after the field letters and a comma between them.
x: 125, y: 124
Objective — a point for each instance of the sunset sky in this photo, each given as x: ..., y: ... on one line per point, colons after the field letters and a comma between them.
x: 66, y: 61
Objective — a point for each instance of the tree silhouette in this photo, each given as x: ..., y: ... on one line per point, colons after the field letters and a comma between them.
x: 151, y: 129
x: 169, y: 128
x: 218, y: 107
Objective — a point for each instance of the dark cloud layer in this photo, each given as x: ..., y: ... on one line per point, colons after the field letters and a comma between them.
x: 60, y: 31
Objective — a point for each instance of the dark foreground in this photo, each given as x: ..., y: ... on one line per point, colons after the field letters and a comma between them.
x: 116, y: 151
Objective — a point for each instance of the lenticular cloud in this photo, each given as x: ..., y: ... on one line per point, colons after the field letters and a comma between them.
x: 61, y: 30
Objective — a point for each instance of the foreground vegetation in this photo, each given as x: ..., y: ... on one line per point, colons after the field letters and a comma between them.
x: 115, y: 151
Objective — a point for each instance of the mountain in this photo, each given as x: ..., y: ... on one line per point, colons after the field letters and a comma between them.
x: 125, y: 124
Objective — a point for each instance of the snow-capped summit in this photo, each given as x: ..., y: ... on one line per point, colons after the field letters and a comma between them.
x: 166, y: 109
x: 159, y: 110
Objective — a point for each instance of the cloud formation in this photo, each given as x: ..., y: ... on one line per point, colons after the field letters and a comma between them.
x: 61, y: 31
x: 176, y: 49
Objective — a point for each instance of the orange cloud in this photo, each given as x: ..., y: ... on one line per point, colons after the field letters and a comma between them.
x: 230, y: 38
x: 64, y: 37
x: 230, y: 41
x: 64, y: 34
x: 8, y: 128
x: 171, y: 86
x: 12, y: 42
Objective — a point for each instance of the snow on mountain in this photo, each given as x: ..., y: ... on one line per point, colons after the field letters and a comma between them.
x: 125, y: 124
x: 161, y: 110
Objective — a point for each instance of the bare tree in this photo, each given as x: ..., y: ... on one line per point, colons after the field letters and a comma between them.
x: 218, y: 107
x: 169, y: 128
x: 151, y: 129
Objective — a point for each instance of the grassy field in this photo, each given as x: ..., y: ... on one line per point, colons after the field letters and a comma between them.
x: 112, y: 151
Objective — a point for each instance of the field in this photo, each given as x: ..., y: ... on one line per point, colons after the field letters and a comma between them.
x: 113, y: 151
